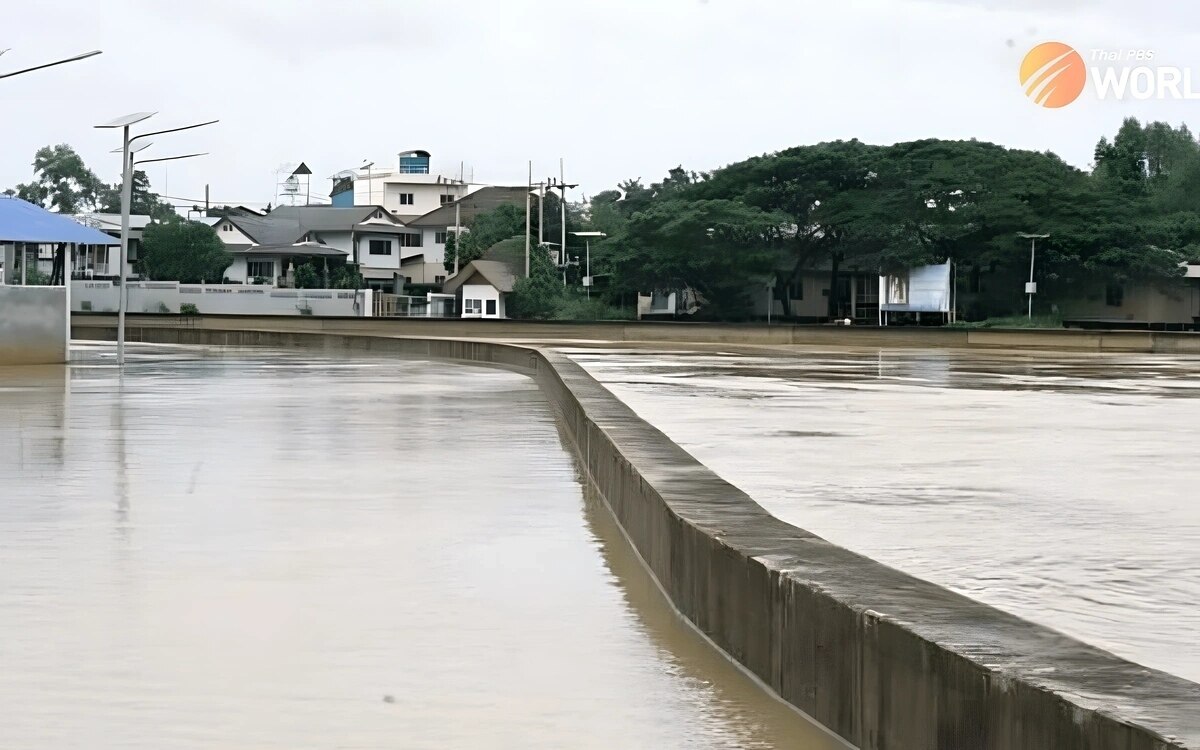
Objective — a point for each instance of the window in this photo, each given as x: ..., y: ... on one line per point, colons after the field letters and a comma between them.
x: 439, y: 238
x: 410, y: 239
x: 472, y: 307
x: 226, y: 227
x: 380, y: 247
x: 439, y: 279
x: 491, y: 307
x: 260, y: 269
x: 1114, y: 296
x: 406, y: 199
x: 447, y: 199
x: 379, y: 214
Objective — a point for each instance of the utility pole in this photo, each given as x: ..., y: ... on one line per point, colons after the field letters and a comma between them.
x: 562, y: 180
x: 541, y: 212
x: 206, y: 200
x: 528, y: 196
x: 457, y: 225
x: 563, y: 186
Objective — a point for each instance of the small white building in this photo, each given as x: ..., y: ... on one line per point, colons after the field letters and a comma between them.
x: 482, y: 286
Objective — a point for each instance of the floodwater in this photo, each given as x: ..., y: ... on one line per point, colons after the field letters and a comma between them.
x: 247, y: 549
x: 1065, y: 490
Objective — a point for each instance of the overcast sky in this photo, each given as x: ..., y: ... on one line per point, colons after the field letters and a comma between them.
x: 620, y: 88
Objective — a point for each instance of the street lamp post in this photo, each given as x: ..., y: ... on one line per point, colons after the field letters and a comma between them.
x: 370, y: 183
x: 1031, y: 286
x: 587, y: 279
x: 126, y: 198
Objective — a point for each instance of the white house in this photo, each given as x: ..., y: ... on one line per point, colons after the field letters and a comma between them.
x: 367, y: 235
x: 483, y: 285
x: 409, y: 190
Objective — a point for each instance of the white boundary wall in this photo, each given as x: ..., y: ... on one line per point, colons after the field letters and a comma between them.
x: 218, y: 299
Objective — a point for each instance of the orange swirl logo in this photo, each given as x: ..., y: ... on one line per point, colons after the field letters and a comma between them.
x: 1053, y: 74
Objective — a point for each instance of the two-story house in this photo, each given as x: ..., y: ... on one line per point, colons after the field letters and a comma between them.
x: 264, y: 247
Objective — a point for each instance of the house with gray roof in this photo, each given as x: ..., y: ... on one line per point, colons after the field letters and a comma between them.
x: 267, y: 247
x: 483, y: 285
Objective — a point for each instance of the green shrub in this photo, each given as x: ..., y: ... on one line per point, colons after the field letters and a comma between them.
x: 1012, y: 321
x: 582, y: 308
x: 34, y: 277
x: 305, y: 277
x: 187, y: 308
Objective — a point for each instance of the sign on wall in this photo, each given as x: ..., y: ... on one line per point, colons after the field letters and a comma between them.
x: 921, y: 289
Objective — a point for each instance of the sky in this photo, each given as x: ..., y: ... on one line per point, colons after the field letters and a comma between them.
x: 617, y: 88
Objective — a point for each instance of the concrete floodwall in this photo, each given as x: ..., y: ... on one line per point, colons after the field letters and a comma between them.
x: 717, y: 333
x: 33, y: 325
x: 885, y: 660
x: 220, y: 299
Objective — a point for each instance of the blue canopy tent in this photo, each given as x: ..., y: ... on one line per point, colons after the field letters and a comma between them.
x: 22, y: 222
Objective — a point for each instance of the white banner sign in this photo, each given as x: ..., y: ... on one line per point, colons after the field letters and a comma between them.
x: 921, y: 289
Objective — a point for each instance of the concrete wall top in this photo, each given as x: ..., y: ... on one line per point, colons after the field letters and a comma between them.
x: 1063, y: 340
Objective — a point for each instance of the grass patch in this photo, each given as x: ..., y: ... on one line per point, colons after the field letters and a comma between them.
x: 1012, y: 321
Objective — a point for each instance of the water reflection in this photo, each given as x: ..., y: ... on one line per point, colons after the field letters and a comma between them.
x: 36, y: 402
x: 298, y: 539
x: 736, y: 698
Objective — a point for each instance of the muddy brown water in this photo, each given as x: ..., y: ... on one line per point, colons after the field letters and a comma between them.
x: 256, y: 549
x: 1063, y: 489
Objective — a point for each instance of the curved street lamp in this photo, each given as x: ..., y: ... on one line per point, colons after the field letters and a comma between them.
x: 84, y: 56
x: 127, y: 163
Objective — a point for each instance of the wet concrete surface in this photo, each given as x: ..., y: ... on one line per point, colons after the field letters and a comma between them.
x: 1058, y: 488
x: 281, y: 550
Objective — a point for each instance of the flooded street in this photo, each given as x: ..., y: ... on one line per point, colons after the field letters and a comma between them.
x: 248, y: 549
x: 1061, y: 489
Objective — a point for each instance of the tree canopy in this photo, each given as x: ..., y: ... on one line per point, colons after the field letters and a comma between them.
x: 847, y: 205
x: 63, y: 183
x: 185, y: 251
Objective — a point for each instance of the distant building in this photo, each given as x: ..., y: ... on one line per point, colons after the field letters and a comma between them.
x: 423, y: 202
x: 96, y: 261
x: 409, y: 190
x: 483, y: 285
x: 1129, y: 304
x: 367, y: 236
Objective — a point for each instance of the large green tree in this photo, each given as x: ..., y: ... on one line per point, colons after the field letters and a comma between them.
x: 484, y: 230
x: 850, y: 206
x: 720, y: 248
x: 62, y: 182
x: 184, y: 251
x: 539, y: 294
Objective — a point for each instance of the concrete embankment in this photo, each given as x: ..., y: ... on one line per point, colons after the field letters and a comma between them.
x: 885, y: 660
x: 33, y: 325
x: 676, y: 333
